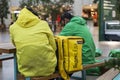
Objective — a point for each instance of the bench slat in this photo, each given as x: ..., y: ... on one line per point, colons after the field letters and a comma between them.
x: 6, y: 57
x: 55, y: 75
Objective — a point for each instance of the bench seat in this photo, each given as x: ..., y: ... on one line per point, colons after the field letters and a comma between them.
x: 55, y: 75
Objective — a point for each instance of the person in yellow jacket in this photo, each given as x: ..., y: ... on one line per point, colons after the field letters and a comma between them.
x: 35, y: 45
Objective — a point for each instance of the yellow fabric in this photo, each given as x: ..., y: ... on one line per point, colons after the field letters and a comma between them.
x: 69, y: 55
x: 35, y: 45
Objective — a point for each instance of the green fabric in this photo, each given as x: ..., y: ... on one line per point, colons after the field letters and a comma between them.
x: 114, y: 53
x: 98, y: 52
x: 93, y: 71
x: 77, y: 27
x: 35, y: 45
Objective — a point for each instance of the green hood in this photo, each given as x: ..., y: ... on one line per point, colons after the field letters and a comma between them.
x: 78, y: 20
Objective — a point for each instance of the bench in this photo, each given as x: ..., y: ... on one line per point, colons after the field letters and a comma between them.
x: 9, y: 48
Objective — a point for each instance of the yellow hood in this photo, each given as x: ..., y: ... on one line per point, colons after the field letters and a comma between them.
x: 27, y: 19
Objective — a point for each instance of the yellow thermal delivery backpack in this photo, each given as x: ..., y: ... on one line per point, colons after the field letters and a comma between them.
x: 69, y: 55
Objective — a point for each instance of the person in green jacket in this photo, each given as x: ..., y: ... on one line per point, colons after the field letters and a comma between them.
x: 35, y: 44
x: 76, y: 26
